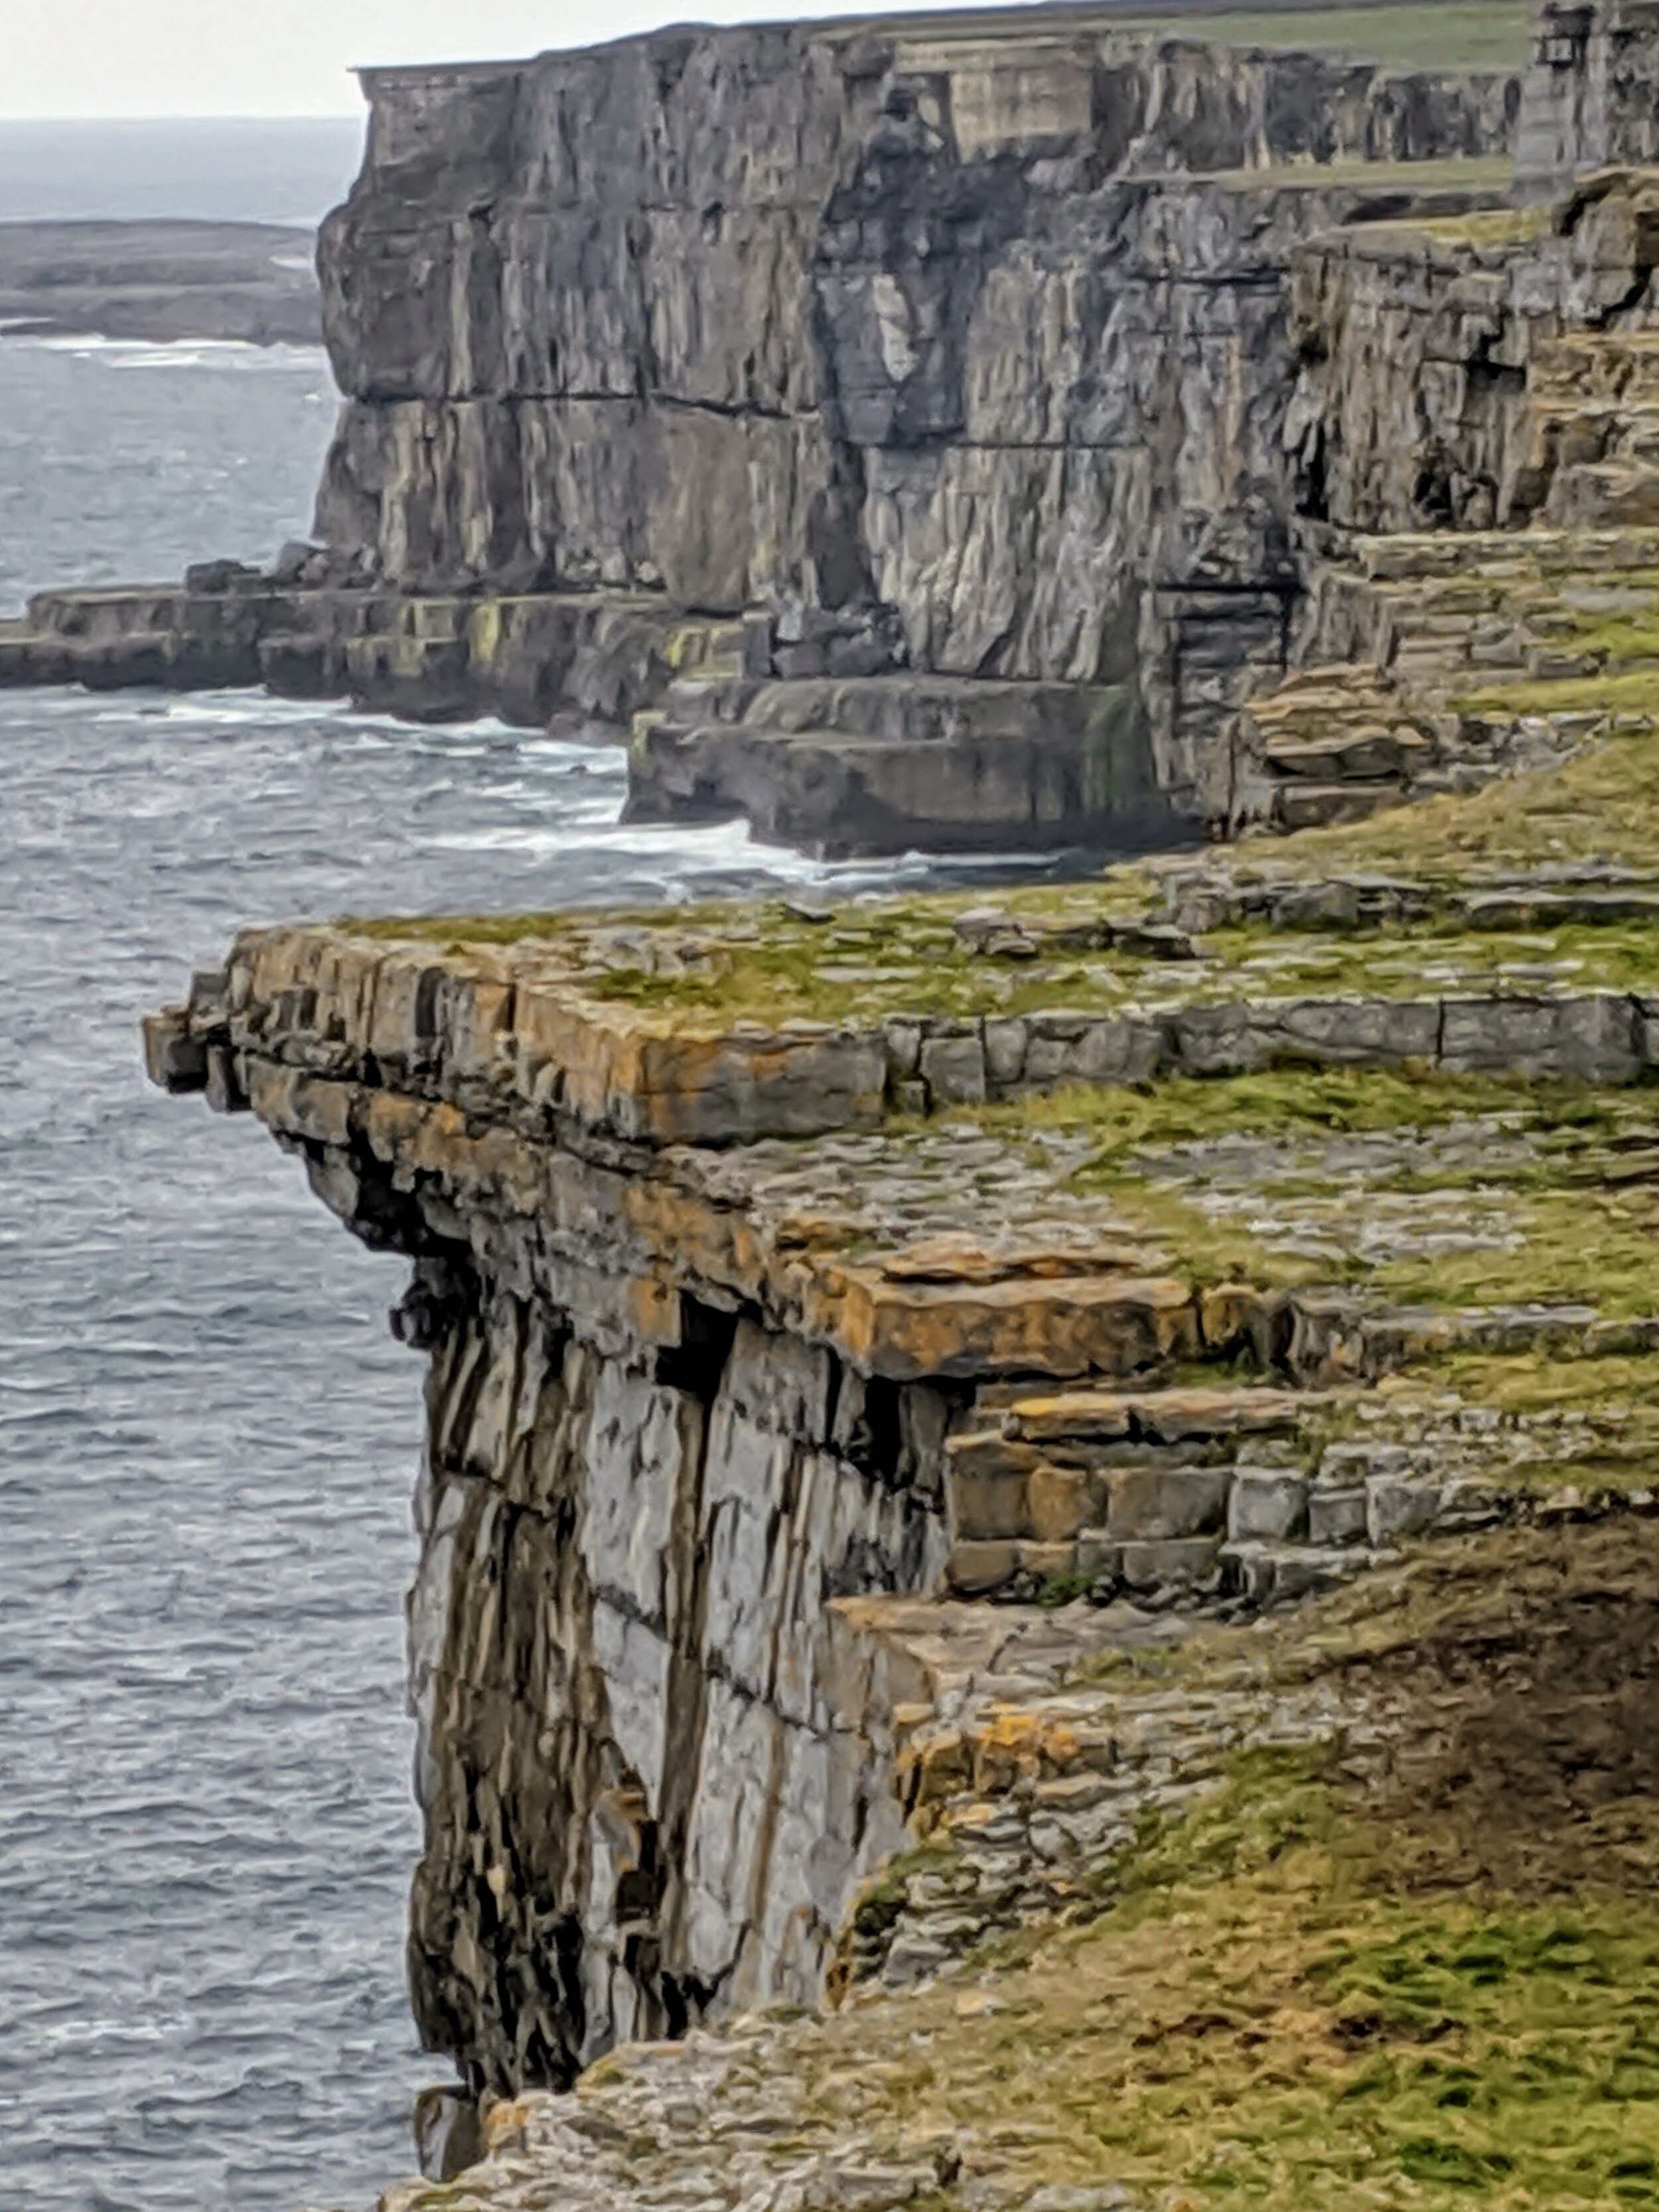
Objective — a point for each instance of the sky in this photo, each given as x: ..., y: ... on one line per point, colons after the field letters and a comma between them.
x: 157, y: 57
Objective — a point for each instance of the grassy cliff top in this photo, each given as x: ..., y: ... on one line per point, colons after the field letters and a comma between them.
x: 1408, y: 1960
x: 699, y: 970
x: 1601, y: 806
x: 874, y: 957
x: 1411, y: 1966
x: 1591, y: 610
x: 1444, y: 1192
x: 1470, y: 35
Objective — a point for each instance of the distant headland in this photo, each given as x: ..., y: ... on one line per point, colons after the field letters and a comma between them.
x: 161, y: 281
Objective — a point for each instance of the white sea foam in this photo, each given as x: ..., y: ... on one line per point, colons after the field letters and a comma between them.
x: 234, y: 354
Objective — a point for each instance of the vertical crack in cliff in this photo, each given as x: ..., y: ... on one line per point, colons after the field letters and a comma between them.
x: 518, y: 1717
x: 695, y: 1368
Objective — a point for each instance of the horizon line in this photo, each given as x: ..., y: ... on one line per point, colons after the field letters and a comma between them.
x: 353, y: 114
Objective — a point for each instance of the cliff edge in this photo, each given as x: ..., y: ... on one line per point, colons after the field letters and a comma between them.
x: 1036, y: 1535
x: 954, y: 1429
x: 885, y: 418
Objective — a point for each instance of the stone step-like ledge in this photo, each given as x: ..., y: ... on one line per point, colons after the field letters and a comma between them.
x: 1327, y: 1535
x: 522, y: 1033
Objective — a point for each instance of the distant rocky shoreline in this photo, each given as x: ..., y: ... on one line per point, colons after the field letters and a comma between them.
x: 160, y: 281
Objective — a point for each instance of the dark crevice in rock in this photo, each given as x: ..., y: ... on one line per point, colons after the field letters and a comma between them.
x: 684, y: 1995
x: 696, y: 1364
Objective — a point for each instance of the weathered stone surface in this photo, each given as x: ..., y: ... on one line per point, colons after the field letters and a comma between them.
x: 778, y: 1444
x: 1431, y: 391
x: 889, y: 763
x: 963, y: 354
x: 1181, y: 1502
x: 1337, y: 1517
x: 1265, y: 1505
x: 816, y: 1418
x: 1586, y: 100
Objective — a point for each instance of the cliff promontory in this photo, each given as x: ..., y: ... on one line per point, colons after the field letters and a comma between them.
x: 1041, y: 1471
x: 888, y: 418
x: 1036, y: 1535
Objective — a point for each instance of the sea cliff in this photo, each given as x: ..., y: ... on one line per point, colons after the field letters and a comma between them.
x: 1036, y: 1532
x: 874, y: 1355
x: 887, y: 419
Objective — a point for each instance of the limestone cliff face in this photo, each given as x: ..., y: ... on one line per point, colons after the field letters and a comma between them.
x: 1480, y: 373
x: 652, y: 1762
x: 1589, y: 97
x: 667, y: 313
x: 917, y: 339
x: 885, y: 420
x: 754, y: 1337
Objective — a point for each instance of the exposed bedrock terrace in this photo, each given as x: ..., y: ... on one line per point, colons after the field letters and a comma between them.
x: 815, y: 1299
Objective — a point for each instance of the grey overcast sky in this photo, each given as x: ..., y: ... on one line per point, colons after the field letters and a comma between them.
x: 89, y: 57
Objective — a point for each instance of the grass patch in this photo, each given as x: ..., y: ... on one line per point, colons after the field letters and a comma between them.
x: 1488, y: 226
x: 1579, y: 1245
x: 1124, y: 1665
x: 1266, y: 2017
x: 1458, y: 173
x: 1549, y: 1421
x: 1601, y: 805
x: 1059, y: 1590
x: 1569, y: 1175
x: 702, y: 968
x: 1618, y: 691
x: 1532, y: 1383
x: 1479, y: 34
x: 1337, y: 1100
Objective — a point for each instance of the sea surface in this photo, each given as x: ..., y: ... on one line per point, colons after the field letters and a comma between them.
x: 239, y: 170
x: 207, y: 1436
x: 207, y: 1439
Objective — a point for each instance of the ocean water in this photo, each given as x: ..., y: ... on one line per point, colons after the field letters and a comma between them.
x: 123, y: 462
x: 240, y: 169
x: 207, y: 1439
x: 207, y: 1436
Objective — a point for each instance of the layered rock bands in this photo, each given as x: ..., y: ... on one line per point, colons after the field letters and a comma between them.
x: 906, y: 359
x: 748, y: 1330
x: 877, y: 1353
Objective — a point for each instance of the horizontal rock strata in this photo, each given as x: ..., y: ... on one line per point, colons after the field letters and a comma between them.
x: 745, y: 1325
x: 965, y: 441
x: 438, y: 658
x: 944, y: 364
x: 879, y: 1354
